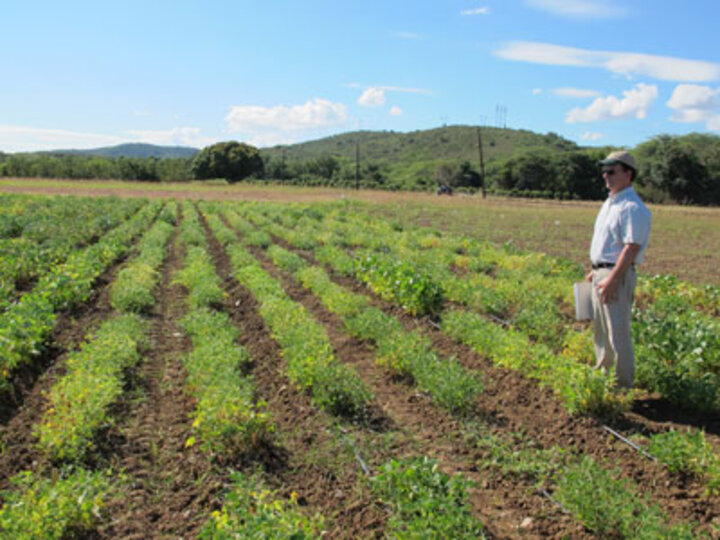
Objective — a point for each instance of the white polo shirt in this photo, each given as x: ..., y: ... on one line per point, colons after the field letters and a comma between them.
x: 623, y: 219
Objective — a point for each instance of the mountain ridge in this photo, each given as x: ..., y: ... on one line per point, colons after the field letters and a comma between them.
x: 131, y: 150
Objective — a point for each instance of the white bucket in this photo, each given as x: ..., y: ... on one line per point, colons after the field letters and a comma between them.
x: 583, y: 301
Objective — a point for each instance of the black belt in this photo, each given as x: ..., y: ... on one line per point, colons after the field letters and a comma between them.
x: 603, y: 265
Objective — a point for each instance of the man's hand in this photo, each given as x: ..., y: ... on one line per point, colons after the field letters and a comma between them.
x: 608, y: 289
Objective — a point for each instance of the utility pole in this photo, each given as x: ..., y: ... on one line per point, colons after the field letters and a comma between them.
x: 482, y: 163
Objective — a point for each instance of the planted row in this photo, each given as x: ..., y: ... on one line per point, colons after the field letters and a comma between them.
x: 407, y: 354
x: 252, y: 511
x: 25, y: 327
x: 54, y: 508
x: 226, y: 417
x: 305, y: 345
x: 132, y: 290
x: 581, y: 389
x: 43, y: 232
x: 79, y: 402
x: 425, y: 502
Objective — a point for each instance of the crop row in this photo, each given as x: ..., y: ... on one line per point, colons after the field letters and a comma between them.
x: 78, y: 403
x: 306, y: 348
x: 226, y: 418
x: 132, y: 290
x: 25, y: 327
x: 43, y: 232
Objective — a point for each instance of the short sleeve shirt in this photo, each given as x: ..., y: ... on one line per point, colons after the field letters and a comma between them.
x: 623, y: 219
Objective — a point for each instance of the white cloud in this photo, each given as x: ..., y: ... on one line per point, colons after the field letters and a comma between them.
x: 484, y: 10
x: 536, y: 91
x: 375, y: 96
x: 396, y: 111
x: 32, y: 139
x: 694, y: 103
x: 318, y: 113
x: 591, y: 136
x: 372, y: 97
x: 575, y: 93
x: 635, y: 104
x: 282, y: 124
x: 628, y: 64
x: 579, y: 8
x: 182, y: 136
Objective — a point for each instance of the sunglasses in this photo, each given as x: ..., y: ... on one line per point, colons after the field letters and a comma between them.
x: 609, y: 172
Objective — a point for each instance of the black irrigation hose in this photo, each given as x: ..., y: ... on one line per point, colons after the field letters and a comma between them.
x: 629, y: 443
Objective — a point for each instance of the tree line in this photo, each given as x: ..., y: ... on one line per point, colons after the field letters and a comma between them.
x: 679, y: 169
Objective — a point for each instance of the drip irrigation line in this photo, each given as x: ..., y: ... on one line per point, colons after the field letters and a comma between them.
x: 629, y: 443
x: 433, y: 323
x: 499, y: 320
x: 358, y: 457
x: 545, y: 494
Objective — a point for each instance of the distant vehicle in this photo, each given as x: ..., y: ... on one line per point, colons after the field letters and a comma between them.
x: 444, y: 190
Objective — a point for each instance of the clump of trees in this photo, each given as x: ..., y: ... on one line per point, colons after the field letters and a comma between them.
x: 83, y: 167
x: 233, y: 161
x: 685, y: 169
x: 548, y: 174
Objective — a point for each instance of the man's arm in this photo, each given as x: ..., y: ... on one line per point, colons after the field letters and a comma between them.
x: 608, y: 287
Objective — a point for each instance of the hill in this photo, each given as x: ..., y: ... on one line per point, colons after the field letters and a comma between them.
x: 133, y: 150
x: 456, y: 143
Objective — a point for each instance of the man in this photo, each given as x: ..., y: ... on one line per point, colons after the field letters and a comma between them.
x: 619, y: 240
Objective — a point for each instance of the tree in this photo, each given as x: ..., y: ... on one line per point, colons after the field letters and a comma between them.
x: 676, y: 170
x: 324, y: 166
x: 231, y: 160
x: 457, y: 175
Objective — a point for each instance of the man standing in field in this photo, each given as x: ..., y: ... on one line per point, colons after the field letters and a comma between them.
x: 622, y: 229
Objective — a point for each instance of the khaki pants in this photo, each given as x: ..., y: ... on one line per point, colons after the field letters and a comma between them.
x: 611, y: 327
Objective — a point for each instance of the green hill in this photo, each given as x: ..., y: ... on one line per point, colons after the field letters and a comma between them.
x: 133, y: 150
x: 456, y: 143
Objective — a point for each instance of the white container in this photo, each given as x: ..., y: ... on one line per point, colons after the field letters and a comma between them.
x: 583, y: 301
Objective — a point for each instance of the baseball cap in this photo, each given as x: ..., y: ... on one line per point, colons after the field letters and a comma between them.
x: 620, y: 156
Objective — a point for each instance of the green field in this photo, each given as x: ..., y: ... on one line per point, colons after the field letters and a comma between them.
x: 685, y: 241
x: 233, y: 363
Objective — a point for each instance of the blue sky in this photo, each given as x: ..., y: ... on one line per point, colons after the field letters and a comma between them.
x: 81, y: 74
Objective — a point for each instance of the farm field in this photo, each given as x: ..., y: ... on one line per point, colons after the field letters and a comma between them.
x: 224, y: 364
x: 685, y: 241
